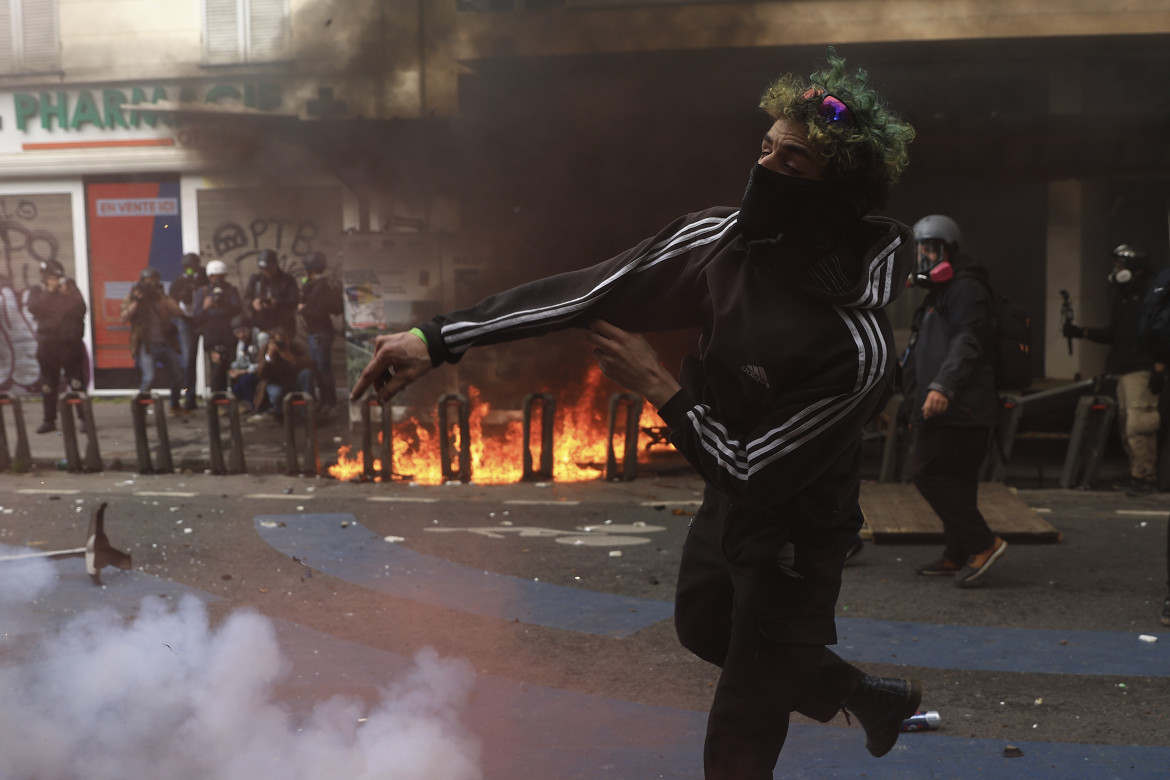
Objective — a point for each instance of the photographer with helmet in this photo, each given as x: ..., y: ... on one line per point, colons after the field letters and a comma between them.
x: 183, y: 291
x: 948, y: 379
x: 215, y: 304
x: 271, y: 297
x: 1131, y: 360
x: 59, y: 310
x: 154, y: 337
x: 321, y: 301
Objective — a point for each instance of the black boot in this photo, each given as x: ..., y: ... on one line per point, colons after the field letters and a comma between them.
x: 880, y: 704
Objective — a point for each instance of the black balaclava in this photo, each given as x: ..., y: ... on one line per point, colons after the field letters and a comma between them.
x: 804, y: 214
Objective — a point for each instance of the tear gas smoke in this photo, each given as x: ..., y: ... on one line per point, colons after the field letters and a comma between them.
x: 166, y: 694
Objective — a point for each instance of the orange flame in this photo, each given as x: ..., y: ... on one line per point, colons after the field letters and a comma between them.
x: 579, y: 442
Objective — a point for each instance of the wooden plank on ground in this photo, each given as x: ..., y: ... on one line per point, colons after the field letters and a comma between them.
x: 897, y: 513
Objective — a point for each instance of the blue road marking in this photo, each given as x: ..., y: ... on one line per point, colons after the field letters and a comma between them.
x: 356, y: 554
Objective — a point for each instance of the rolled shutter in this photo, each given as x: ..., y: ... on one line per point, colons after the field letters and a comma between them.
x: 38, y: 25
x: 267, y: 29
x: 221, y: 30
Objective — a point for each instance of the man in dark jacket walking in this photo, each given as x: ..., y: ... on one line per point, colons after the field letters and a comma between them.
x: 948, y: 377
x: 1131, y: 360
x: 59, y: 310
x: 795, y: 358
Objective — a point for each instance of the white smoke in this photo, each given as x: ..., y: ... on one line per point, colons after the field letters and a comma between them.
x: 167, y: 695
x: 23, y: 579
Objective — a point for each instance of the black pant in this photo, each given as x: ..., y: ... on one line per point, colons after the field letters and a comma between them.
x: 756, y: 597
x: 55, y: 357
x: 946, y: 472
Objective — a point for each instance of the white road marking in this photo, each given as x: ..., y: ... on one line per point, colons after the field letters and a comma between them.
x: 523, y: 502
x: 695, y: 502
x: 165, y: 493
x: 402, y: 500
x: 282, y: 496
x: 1145, y: 512
x: 43, y: 491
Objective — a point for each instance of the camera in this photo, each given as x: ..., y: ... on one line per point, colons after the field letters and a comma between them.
x: 147, y: 289
x: 216, y: 296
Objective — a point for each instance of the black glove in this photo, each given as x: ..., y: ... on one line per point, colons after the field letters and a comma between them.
x: 1070, y: 331
x: 1157, y: 382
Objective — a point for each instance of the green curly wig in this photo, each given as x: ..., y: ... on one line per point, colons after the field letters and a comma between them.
x: 872, y: 152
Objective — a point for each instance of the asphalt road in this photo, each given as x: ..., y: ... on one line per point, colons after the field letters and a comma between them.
x: 557, y: 597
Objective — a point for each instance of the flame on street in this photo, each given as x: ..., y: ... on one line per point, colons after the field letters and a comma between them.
x: 579, y: 447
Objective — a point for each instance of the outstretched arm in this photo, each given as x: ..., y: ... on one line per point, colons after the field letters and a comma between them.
x: 629, y: 360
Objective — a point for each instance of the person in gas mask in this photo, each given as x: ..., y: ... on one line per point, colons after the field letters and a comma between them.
x: 216, y: 304
x: 271, y: 297
x: 1129, y: 357
x: 948, y: 381
x: 154, y: 338
x: 321, y: 301
x: 795, y: 357
x: 59, y: 310
x: 182, y: 290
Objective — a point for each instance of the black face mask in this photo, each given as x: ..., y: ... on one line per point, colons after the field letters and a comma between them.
x: 802, y: 213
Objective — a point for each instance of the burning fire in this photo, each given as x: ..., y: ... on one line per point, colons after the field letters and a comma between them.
x: 579, y: 433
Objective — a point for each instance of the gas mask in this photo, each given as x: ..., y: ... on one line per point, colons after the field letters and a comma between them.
x: 933, y: 266
x: 1120, y: 275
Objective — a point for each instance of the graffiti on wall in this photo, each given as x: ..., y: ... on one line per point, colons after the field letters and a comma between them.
x: 24, y: 244
x: 239, y: 245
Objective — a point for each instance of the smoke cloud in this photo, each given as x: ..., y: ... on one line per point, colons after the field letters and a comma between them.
x: 169, y: 695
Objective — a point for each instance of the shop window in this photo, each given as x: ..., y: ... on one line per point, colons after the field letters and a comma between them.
x: 245, y: 30
x: 28, y: 36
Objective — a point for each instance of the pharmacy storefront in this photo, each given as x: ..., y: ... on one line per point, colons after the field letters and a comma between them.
x: 110, y: 180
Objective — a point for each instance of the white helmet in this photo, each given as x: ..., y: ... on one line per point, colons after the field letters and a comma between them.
x: 216, y: 267
x: 937, y: 227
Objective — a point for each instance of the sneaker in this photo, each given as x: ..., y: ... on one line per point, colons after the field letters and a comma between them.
x: 1166, y: 612
x: 258, y: 417
x: 880, y: 704
x: 1142, y: 487
x: 942, y: 567
x: 979, y: 563
x: 48, y: 426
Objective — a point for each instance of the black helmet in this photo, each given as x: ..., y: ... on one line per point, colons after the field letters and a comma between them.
x: 240, y: 321
x: 149, y: 273
x: 1133, y: 256
x: 267, y: 259
x: 190, y: 260
x: 314, y: 262
x: 52, y: 268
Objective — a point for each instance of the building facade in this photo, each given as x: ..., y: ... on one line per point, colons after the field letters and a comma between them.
x: 521, y: 137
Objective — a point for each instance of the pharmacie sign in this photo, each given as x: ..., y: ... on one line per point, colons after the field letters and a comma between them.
x: 54, y: 119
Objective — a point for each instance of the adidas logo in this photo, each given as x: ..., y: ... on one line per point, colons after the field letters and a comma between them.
x: 757, y: 373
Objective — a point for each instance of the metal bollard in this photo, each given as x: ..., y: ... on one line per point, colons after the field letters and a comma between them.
x: 215, y: 400
x: 464, y: 422
x: 138, y: 406
x: 93, y: 457
x: 21, y: 458
x: 292, y: 400
x: 368, y: 403
x: 1086, y: 443
x: 633, y: 406
x: 548, y: 411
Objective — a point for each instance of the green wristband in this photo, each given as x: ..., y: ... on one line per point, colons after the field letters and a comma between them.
x: 418, y: 332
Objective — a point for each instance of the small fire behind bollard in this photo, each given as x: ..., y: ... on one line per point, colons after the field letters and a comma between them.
x: 922, y: 721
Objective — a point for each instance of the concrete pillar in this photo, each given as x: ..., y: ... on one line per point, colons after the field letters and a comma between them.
x: 1075, y: 263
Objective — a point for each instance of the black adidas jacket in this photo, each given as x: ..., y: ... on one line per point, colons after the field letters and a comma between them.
x: 790, y: 368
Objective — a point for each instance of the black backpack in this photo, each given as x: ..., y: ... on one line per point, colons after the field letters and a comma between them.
x: 1154, y: 317
x: 1013, y: 343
